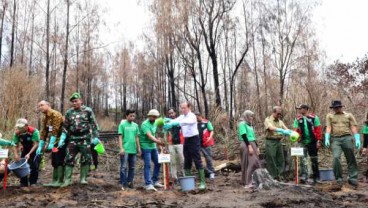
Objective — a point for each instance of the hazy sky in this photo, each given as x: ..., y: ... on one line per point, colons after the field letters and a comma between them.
x: 341, y: 25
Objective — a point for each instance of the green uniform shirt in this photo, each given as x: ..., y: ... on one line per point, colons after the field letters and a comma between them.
x: 145, y: 142
x: 80, y: 123
x: 306, y: 132
x: 35, y: 137
x: 271, y: 121
x: 129, y: 131
x: 244, y: 128
x: 340, y: 123
x: 365, y: 129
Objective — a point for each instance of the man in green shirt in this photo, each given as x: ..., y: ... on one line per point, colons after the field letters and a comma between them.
x: 308, y: 126
x: 148, y: 143
x: 28, y: 137
x: 365, y: 141
x: 129, y: 147
x: 340, y: 127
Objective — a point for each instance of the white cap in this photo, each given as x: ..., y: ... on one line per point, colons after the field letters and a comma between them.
x: 21, y: 123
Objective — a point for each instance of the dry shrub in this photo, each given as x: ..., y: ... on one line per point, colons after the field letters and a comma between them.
x: 106, y: 124
x: 19, y: 94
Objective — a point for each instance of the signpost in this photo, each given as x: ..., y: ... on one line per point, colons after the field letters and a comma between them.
x: 297, y: 152
x: 165, y: 159
x: 4, y: 155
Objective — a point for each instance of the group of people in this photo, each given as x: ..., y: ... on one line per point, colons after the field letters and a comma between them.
x: 76, y: 132
x: 63, y: 136
x: 341, y: 134
x: 186, y: 137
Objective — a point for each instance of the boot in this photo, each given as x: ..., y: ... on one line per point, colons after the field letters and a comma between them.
x: 54, y: 178
x: 84, y: 174
x: 188, y: 172
x: 202, y: 178
x: 68, y: 176
x: 60, y: 178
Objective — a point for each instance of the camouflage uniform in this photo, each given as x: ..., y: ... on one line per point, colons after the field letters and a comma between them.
x: 80, y: 126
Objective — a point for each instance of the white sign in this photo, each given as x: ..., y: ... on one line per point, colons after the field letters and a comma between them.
x: 164, y: 158
x: 297, y: 151
x: 4, y: 153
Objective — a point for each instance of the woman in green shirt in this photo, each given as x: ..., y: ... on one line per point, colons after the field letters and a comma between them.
x: 249, y: 160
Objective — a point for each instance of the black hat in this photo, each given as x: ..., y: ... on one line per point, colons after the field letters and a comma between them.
x: 336, y: 104
x: 302, y: 106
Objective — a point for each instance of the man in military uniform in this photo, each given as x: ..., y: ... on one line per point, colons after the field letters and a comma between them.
x: 341, y: 127
x: 80, y: 126
x: 275, y: 129
x: 52, y: 124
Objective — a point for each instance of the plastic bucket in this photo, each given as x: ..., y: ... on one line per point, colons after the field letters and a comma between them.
x: 20, y: 168
x: 100, y: 149
x: 159, y: 122
x: 326, y: 175
x: 187, y: 183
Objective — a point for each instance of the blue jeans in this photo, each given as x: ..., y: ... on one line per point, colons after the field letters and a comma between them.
x: 125, y: 160
x: 148, y: 155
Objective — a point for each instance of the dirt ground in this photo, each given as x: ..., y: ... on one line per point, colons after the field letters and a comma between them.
x: 224, y: 191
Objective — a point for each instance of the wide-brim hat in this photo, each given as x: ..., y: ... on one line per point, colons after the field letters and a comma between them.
x: 336, y: 104
x: 153, y: 112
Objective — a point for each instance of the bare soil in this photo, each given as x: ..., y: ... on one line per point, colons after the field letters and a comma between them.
x: 225, y: 191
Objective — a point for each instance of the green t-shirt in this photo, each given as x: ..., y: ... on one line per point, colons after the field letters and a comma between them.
x: 306, y: 132
x: 35, y: 137
x: 244, y: 128
x: 365, y: 129
x: 145, y: 142
x: 129, y: 131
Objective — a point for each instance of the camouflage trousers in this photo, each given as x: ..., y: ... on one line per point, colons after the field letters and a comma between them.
x: 78, y: 146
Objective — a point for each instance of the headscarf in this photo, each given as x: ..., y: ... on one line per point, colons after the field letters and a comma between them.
x: 245, y: 116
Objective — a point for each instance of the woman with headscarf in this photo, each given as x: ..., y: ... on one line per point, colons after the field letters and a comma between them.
x: 249, y: 152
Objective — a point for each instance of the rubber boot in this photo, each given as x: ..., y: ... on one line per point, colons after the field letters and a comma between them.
x: 202, y: 178
x: 68, y: 176
x: 60, y: 179
x: 54, y: 178
x: 84, y: 174
x: 188, y: 172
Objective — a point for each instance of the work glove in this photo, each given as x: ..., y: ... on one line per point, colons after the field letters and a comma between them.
x: 40, y: 147
x: 51, y: 142
x: 62, y: 140
x: 170, y: 124
x: 95, y: 141
x: 285, y: 132
x: 357, y: 140
x: 327, y: 140
x: 4, y: 142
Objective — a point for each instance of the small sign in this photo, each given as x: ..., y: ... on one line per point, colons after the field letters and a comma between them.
x: 4, y: 153
x: 164, y: 158
x: 297, y: 151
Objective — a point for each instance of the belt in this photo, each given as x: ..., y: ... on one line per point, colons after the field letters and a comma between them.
x: 345, y: 135
x: 191, y: 137
x: 79, y: 134
x: 273, y: 138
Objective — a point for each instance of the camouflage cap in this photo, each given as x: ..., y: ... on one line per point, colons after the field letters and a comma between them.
x: 75, y: 95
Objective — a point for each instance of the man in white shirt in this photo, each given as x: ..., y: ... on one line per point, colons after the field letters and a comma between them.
x: 192, y: 142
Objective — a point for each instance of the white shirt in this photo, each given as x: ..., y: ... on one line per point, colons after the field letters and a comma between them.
x: 188, y: 124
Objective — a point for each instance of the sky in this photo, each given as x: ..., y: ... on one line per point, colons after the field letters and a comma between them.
x: 341, y: 26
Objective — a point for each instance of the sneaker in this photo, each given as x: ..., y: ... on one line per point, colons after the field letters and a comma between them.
x: 248, y: 186
x: 212, y: 176
x: 158, y: 185
x: 122, y: 188
x: 150, y: 188
x: 130, y: 185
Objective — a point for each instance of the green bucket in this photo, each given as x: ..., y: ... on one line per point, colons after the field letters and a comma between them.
x: 100, y: 149
x: 294, y: 136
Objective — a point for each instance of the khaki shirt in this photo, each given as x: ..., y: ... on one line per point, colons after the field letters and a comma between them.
x: 271, y: 122
x: 340, y: 123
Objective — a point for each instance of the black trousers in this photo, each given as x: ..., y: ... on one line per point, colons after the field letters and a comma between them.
x: 94, y: 155
x: 34, y: 163
x: 58, y: 158
x: 192, y: 148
